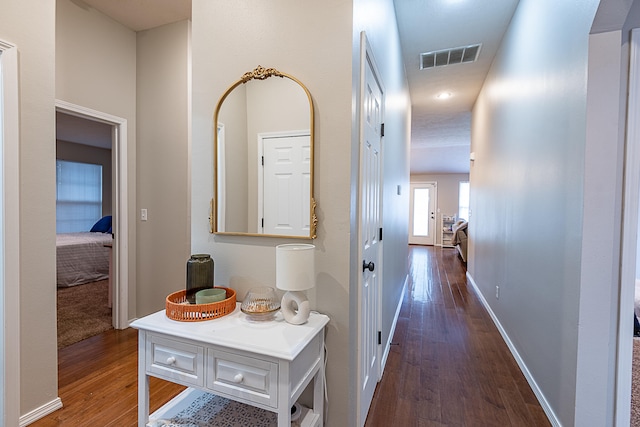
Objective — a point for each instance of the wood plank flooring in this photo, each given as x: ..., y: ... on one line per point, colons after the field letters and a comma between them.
x: 98, y: 383
x: 448, y: 365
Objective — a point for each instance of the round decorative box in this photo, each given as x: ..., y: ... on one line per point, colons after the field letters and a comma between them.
x: 178, y: 307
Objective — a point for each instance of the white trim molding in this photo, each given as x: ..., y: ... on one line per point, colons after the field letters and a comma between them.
x: 10, y: 262
x: 387, y: 347
x: 121, y: 219
x: 40, y: 412
x: 553, y: 419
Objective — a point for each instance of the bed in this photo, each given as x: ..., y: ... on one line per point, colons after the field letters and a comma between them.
x: 82, y: 257
x: 636, y: 302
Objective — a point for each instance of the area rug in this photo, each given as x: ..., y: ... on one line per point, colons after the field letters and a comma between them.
x: 83, y: 311
x: 214, y: 411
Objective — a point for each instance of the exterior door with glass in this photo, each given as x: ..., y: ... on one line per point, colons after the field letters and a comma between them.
x: 422, y: 221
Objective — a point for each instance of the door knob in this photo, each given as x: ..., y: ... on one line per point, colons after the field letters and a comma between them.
x: 369, y: 266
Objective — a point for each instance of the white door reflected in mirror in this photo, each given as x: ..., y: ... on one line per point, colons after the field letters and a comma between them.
x: 264, y: 158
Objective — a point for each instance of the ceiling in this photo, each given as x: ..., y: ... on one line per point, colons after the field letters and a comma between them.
x: 440, y: 129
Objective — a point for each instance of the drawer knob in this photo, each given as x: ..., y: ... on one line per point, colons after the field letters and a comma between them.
x: 171, y: 360
x: 238, y: 378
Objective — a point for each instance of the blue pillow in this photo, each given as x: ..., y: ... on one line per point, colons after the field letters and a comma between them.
x: 103, y: 225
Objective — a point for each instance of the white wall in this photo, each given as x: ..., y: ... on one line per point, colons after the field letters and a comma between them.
x: 231, y: 38
x: 604, y: 298
x: 30, y: 26
x: 162, y: 167
x: 528, y: 133
x: 95, y: 67
x: 233, y: 116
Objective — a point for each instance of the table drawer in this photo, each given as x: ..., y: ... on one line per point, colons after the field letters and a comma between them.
x: 175, y: 360
x: 249, y: 378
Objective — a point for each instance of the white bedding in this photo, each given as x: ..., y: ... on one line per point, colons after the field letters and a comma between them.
x: 636, y: 305
x: 82, y: 258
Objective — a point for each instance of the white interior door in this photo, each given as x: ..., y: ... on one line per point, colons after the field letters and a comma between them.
x: 422, y: 221
x: 286, y: 184
x: 371, y: 119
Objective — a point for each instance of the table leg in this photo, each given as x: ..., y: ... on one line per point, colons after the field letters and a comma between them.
x: 318, y: 393
x: 143, y: 382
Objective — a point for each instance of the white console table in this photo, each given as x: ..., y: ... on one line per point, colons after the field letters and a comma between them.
x: 263, y: 364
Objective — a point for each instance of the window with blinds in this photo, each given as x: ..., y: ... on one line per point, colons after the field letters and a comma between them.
x: 78, y: 196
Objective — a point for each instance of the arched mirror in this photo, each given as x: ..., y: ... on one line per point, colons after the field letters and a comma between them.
x: 263, y: 158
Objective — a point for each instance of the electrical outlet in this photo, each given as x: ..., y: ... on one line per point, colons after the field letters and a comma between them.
x: 497, y: 292
x: 143, y: 214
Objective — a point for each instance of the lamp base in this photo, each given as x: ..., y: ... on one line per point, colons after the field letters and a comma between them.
x: 292, y: 300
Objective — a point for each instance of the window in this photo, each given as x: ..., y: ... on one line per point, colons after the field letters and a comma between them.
x: 463, y: 200
x: 78, y: 196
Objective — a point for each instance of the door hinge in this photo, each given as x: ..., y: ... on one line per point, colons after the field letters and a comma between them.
x: 380, y: 234
x: 379, y: 337
x: 262, y: 160
x: 382, y: 129
x: 262, y: 222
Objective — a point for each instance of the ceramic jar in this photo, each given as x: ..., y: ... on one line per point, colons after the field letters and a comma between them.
x: 199, y: 275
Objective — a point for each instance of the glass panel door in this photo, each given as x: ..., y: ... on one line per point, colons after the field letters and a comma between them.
x: 422, y: 222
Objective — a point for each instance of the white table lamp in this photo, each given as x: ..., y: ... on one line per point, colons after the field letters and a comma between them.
x: 295, y: 273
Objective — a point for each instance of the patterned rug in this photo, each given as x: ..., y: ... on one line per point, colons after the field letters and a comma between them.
x: 209, y: 410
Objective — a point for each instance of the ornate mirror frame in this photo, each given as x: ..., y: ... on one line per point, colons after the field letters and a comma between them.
x: 259, y: 73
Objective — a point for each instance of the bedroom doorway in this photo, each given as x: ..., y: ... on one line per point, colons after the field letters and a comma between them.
x: 119, y: 270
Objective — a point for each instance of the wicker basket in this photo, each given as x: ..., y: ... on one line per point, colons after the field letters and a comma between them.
x: 178, y: 308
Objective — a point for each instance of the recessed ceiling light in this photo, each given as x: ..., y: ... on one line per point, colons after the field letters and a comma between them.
x: 444, y: 95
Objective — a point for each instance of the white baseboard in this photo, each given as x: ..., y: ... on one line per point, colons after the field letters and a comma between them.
x: 40, y: 412
x: 553, y: 419
x: 387, y: 347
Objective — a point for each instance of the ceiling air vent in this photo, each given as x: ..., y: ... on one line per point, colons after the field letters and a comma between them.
x: 457, y: 55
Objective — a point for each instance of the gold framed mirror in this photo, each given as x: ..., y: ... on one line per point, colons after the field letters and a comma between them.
x: 263, y: 158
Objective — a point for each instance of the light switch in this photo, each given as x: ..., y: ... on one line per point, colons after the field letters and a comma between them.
x: 143, y: 214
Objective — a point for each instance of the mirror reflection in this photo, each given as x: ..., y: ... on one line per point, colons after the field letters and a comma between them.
x: 264, y: 158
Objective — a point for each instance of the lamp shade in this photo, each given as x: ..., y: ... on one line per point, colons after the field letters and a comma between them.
x: 295, y: 267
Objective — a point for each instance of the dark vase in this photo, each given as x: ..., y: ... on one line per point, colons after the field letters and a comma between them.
x: 199, y: 275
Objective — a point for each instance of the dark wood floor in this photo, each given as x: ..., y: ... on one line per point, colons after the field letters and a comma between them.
x: 98, y: 383
x: 449, y: 366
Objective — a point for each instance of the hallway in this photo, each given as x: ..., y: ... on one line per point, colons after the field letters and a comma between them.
x: 448, y: 364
